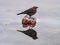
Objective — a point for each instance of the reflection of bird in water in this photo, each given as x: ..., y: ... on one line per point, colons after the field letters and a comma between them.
x: 30, y: 32
x: 30, y: 11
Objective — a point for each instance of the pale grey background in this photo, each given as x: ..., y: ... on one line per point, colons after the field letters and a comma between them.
x: 48, y: 22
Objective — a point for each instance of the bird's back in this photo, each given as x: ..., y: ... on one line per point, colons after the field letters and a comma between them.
x: 30, y: 12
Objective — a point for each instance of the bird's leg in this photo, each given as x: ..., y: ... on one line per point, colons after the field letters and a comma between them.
x: 29, y: 17
x: 29, y: 27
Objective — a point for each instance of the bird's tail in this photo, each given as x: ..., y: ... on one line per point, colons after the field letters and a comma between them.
x: 20, y: 13
x: 20, y: 31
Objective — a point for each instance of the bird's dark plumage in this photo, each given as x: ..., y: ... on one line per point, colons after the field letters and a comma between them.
x: 30, y: 11
x: 30, y: 32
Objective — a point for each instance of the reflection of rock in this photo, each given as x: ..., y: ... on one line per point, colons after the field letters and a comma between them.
x: 30, y: 32
x: 27, y: 21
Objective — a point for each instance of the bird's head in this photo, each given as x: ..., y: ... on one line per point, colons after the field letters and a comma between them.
x: 34, y: 7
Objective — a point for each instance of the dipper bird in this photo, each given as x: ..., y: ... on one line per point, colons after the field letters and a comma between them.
x: 30, y: 11
x: 30, y: 32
